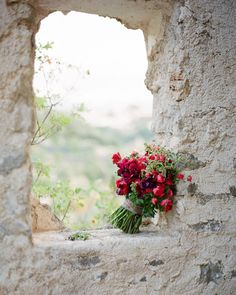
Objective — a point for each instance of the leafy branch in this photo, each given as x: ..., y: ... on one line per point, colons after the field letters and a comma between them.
x: 50, y: 121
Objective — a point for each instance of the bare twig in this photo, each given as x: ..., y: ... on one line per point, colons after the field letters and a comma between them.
x: 66, y: 211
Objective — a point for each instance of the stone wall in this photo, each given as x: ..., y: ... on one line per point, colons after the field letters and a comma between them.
x: 191, y: 48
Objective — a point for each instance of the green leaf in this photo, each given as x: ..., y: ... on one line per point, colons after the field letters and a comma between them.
x: 40, y: 102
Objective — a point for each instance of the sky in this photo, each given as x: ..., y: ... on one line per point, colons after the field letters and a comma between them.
x: 115, y: 58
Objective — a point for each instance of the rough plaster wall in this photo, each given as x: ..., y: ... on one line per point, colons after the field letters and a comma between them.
x: 192, y: 76
x: 16, y: 119
x: 191, y: 51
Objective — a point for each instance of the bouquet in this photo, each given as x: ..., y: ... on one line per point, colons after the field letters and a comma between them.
x: 148, y: 182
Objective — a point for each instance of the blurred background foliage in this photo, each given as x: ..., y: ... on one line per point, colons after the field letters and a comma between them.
x: 72, y: 166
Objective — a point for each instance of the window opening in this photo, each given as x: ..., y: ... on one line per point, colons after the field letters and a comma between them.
x: 91, y: 102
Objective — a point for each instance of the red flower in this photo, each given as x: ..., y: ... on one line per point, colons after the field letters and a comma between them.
x: 160, y: 178
x: 157, y: 157
x: 154, y: 201
x: 166, y: 204
x: 116, y: 158
x: 142, y: 163
x: 152, y: 157
x: 162, y: 158
x: 122, y: 187
x: 190, y: 178
x: 169, y: 182
x: 180, y: 176
x: 154, y: 174
x: 159, y: 191
x: 170, y: 193
x: 147, y: 190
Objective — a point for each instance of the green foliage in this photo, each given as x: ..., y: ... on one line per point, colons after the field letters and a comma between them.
x: 79, y: 236
x: 106, y: 204
x: 60, y: 192
x: 50, y: 121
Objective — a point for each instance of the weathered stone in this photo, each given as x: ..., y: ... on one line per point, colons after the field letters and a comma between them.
x: 88, y: 261
x: 156, y: 262
x: 232, y: 190
x: 191, y: 73
x: 192, y: 188
x: 42, y: 217
x: 190, y: 161
x: 203, y: 199
x: 102, y: 276
x: 210, y: 225
x: 11, y: 162
x: 233, y: 273
x: 143, y: 279
x: 211, y: 272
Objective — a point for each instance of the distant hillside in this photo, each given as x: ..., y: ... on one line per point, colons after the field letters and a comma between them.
x: 81, y: 153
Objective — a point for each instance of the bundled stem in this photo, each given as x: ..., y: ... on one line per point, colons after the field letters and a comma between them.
x: 126, y: 220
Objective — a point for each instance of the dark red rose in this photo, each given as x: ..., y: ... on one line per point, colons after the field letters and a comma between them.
x: 180, y: 176
x: 148, y: 183
x: 169, y: 180
x: 122, y: 187
x: 138, y: 188
x: 160, y: 178
x: 152, y: 157
x: 159, y: 191
x: 142, y: 163
x: 167, y: 205
x: 116, y: 158
x: 148, y: 190
x: 154, y: 173
x: 122, y: 165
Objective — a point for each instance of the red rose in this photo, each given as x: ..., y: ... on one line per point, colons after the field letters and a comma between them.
x: 152, y: 157
x: 160, y: 178
x: 154, y: 201
x: 190, y: 178
x: 180, y: 176
x: 147, y: 190
x: 157, y: 157
x: 122, y: 187
x: 170, y: 193
x: 166, y: 204
x: 159, y: 191
x: 169, y: 182
x: 154, y: 174
x: 162, y: 158
x: 142, y: 163
x: 116, y: 158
